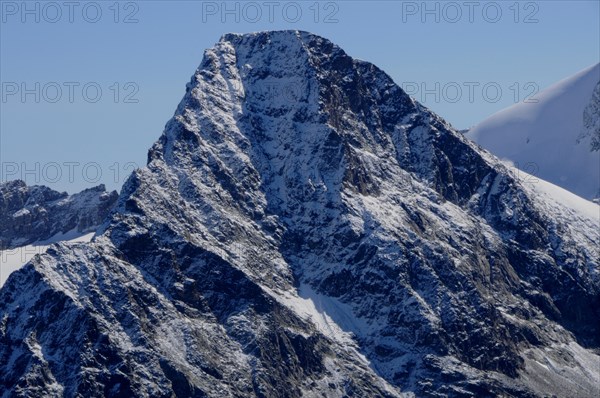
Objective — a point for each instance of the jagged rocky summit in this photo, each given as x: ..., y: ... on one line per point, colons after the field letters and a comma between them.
x: 343, y: 241
x: 37, y: 213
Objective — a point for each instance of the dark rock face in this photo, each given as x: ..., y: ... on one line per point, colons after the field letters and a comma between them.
x: 37, y: 213
x: 591, y: 121
x: 339, y: 241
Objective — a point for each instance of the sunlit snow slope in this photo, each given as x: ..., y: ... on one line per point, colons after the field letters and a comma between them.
x: 13, y: 259
x: 547, y: 138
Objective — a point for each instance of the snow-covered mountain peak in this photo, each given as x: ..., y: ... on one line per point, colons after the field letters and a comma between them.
x: 338, y: 240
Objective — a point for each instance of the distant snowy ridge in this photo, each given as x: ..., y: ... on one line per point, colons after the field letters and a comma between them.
x: 37, y: 213
x: 557, y: 138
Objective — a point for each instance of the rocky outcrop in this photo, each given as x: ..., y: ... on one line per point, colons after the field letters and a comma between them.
x: 591, y: 120
x: 37, y: 213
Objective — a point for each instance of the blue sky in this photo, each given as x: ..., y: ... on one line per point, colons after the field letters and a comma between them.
x: 465, y: 60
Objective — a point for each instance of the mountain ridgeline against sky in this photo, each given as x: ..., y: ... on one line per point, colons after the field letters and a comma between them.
x: 343, y: 241
x: 37, y: 213
x: 556, y: 138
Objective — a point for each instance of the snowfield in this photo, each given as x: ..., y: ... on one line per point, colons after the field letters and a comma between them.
x: 547, y: 138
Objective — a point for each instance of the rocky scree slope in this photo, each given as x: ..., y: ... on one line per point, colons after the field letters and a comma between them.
x: 329, y: 237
